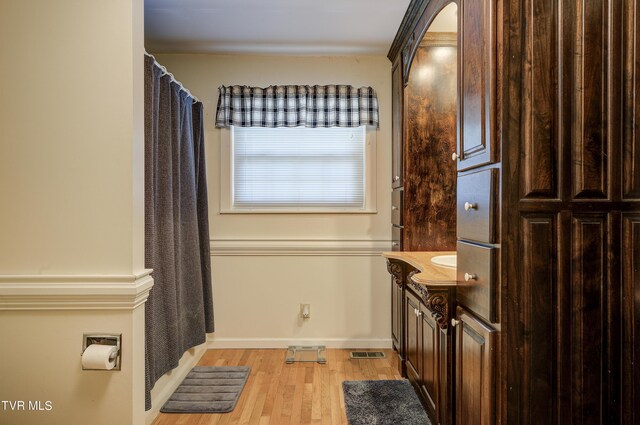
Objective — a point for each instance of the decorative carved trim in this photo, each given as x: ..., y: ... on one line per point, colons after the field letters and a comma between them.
x: 409, y: 21
x: 438, y: 304
x: 396, y: 270
x: 436, y: 301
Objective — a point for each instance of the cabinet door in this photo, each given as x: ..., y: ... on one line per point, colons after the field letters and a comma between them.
x: 397, y: 101
x: 429, y: 359
x: 412, y: 323
x: 396, y: 311
x: 477, y: 83
x: 475, y: 351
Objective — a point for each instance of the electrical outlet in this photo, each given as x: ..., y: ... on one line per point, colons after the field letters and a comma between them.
x: 305, y: 311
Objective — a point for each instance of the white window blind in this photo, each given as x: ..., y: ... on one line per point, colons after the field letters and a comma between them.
x: 298, y: 167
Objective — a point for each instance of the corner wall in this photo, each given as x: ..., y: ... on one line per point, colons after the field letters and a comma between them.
x: 266, y: 265
x: 71, y: 221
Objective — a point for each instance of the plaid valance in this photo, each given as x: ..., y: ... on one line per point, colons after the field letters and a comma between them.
x: 294, y: 106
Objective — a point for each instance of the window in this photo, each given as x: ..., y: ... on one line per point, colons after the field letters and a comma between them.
x: 298, y: 169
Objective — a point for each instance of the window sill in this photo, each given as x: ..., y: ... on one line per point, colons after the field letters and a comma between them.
x: 297, y: 211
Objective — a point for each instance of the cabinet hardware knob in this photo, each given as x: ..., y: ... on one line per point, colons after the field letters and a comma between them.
x: 396, y: 178
x: 394, y: 208
x: 470, y: 206
x: 455, y: 156
x: 454, y: 322
x: 419, y: 313
x: 470, y: 276
x: 395, y: 244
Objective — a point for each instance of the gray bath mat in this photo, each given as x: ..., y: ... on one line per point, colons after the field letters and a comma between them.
x: 386, y: 402
x: 208, y: 389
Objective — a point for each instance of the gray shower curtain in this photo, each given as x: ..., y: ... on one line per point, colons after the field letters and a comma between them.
x: 179, y: 311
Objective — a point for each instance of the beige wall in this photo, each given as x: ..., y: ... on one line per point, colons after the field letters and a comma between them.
x: 69, y: 117
x: 257, y: 297
x: 71, y: 194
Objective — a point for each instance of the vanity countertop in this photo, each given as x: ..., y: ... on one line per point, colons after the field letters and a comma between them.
x: 430, y: 274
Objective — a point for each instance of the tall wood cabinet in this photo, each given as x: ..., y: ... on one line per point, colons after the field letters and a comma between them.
x: 546, y: 310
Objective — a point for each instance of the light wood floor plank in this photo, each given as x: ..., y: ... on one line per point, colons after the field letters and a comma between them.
x: 288, y: 394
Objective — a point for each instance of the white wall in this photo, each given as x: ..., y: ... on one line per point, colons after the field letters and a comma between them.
x: 257, y: 283
x: 71, y: 215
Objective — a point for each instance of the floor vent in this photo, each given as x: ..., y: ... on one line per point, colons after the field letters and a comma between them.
x: 367, y: 355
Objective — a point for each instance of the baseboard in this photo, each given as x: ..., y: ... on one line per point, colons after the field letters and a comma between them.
x: 230, y: 343
x: 169, y: 382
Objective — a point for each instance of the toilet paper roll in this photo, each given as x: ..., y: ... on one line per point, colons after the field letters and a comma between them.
x: 98, y: 356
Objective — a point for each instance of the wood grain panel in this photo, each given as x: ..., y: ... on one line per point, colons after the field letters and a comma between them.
x: 412, y: 347
x: 430, y: 126
x: 445, y: 367
x: 588, y: 307
x: 541, y: 147
x: 538, y: 301
x: 631, y: 110
x: 397, y: 143
x: 479, y: 293
x: 631, y: 318
x: 478, y: 189
x: 429, y: 352
x: 590, y: 142
x: 475, y: 362
x: 477, y: 83
x: 397, y: 207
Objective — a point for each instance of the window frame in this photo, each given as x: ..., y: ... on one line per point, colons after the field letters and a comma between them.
x: 226, y: 183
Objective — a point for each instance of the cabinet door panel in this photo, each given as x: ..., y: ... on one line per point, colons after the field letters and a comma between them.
x: 631, y: 317
x: 631, y: 109
x: 475, y: 347
x: 429, y: 358
x: 397, y: 101
x: 412, y: 322
x: 395, y: 325
x: 477, y: 83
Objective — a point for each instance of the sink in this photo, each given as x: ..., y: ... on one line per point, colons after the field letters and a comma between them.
x: 450, y: 261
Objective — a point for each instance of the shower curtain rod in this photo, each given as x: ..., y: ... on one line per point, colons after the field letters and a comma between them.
x: 166, y: 72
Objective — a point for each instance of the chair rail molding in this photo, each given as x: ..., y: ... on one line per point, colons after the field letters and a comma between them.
x: 298, y: 247
x: 74, y: 292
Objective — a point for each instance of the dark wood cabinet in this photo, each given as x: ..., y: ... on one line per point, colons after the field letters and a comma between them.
x: 413, y: 337
x: 396, y: 270
x: 422, y: 351
x: 548, y: 151
x: 397, y: 141
x: 474, y: 371
x: 477, y: 82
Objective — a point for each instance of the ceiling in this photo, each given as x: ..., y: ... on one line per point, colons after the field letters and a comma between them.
x: 303, y: 27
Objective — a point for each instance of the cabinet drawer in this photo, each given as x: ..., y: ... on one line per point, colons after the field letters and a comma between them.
x: 476, y: 206
x: 396, y: 207
x: 396, y: 238
x: 476, y: 280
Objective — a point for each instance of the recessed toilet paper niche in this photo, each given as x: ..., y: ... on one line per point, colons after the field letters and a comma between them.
x: 105, y: 355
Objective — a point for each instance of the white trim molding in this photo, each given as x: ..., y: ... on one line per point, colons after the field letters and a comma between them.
x: 74, y: 292
x: 231, y: 343
x: 298, y: 247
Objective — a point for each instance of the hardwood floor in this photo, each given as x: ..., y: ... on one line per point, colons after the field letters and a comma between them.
x: 295, y: 394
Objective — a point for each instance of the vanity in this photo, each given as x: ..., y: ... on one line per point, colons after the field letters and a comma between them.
x: 444, y: 287
x: 515, y: 145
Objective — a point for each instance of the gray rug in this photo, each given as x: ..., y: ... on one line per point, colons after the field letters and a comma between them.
x: 208, y: 389
x: 392, y: 402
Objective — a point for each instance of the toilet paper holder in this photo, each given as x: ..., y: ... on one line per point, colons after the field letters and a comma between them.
x: 103, y: 339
